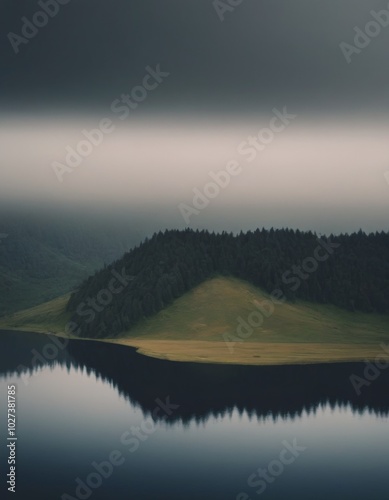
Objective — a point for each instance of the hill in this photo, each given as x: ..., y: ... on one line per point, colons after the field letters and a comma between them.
x: 347, y: 271
x: 203, y: 326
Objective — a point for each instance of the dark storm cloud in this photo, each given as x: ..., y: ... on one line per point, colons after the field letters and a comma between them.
x: 279, y: 50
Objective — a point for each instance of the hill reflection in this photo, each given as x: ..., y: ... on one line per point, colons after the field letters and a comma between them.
x: 202, y: 390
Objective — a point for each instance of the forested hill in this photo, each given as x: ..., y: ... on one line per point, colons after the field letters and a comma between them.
x: 349, y: 271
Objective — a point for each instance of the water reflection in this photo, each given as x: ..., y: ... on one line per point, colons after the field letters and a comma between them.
x: 202, y: 390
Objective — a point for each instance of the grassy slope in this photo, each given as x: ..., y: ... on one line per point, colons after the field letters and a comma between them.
x: 27, y: 287
x: 48, y: 254
x: 192, y: 328
x: 49, y: 317
x: 19, y: 290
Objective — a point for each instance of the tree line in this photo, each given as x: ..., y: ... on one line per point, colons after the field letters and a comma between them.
x: 348, y: 271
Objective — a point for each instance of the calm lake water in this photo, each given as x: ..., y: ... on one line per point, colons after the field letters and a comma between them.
x: 124, y: 426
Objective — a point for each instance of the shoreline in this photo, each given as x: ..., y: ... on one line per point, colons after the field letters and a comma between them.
x: 246, y: 354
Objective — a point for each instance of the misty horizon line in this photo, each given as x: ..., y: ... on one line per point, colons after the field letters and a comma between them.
x: 146, y: 223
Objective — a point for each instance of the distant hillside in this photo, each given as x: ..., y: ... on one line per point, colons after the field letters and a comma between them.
x: 348, y: 271
x: 44, y: 256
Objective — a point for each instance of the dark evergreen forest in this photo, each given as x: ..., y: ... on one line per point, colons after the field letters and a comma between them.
x: 348, y: 271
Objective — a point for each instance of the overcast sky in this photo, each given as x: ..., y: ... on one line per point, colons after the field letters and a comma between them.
x: 325, y: 170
